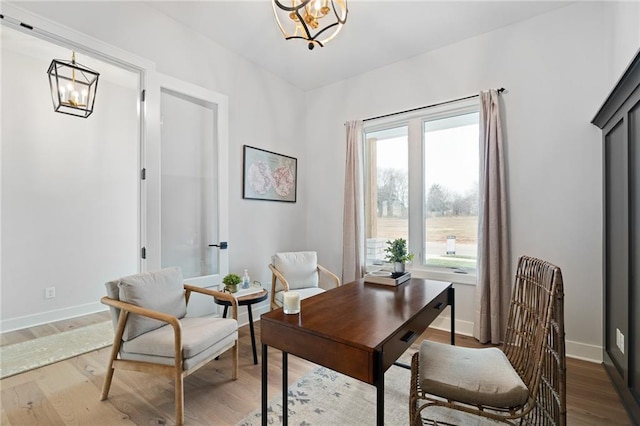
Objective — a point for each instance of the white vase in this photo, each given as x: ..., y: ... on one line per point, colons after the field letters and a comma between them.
x: 398, y: 267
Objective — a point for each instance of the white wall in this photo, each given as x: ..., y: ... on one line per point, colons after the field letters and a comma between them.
x: 553, y: 68
x: 624, y: 20
x: 264, y: 111
x: 70, y: 187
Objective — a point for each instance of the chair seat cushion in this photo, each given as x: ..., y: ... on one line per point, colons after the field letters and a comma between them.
x: 198, y: 334
x: 473, y: 376
x: 304, y: 293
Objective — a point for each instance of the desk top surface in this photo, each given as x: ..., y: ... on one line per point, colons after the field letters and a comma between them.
x: 360, y: 313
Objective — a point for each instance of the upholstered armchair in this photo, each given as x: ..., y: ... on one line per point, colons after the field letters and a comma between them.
x: 153, y: 334
x: 297, y: 271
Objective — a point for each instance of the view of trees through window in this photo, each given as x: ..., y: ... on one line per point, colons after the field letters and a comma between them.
x: 449, y: 185
x: 451, y: 174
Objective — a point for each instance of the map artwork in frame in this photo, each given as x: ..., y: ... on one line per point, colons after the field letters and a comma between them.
x: 269, y: 176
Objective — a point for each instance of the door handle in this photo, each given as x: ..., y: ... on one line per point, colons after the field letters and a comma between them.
x: 222, y: 246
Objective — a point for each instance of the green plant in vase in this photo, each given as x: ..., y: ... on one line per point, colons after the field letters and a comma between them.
x: 231, y: 282
x: 398, y: 254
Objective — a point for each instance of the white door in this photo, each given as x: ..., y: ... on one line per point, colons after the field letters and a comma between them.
x: 193, y: 186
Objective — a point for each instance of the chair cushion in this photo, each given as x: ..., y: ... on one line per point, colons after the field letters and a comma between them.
x: 304, y: 293
x: 113, y: 292
x: 474, y: 376
x: 161, y: 291
x: 299, y: 268
x: 198, y: 334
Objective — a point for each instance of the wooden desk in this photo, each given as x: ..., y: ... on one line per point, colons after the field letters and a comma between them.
x: 358, y: 329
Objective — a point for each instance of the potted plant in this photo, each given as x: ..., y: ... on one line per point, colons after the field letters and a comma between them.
x: 231, y: 282
x: 398, y: 254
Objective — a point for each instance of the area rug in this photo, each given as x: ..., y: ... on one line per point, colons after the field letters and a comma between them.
x: 324, y: 397
x: 25, y: 356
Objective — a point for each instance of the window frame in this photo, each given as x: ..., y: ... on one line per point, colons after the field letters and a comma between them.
x: 415, y: 122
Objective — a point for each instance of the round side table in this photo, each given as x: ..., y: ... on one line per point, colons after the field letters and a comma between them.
x: 248, y: 300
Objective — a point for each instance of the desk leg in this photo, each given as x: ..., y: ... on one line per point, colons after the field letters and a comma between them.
x: 452, y: 303
x: 253, y: 337
x: 264, y: 385
x: 285, y: 390
x: 380, y: 392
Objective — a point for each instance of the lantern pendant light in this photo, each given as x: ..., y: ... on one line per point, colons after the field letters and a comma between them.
x: 73, y: 87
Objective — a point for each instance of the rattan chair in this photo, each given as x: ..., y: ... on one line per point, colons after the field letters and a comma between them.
x: 522, y: 382
x: 297, y: 271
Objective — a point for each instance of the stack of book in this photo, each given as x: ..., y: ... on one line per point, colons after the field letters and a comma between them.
x: 387, y: 278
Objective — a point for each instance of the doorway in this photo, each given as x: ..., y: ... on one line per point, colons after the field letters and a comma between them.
x: 193, y: 186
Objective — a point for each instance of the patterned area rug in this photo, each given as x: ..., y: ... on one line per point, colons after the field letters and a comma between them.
x: 324, y: 397
x: 25, y: 356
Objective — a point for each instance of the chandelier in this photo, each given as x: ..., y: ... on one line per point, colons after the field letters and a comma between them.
x: 316, y: 21
x: 73, y: 87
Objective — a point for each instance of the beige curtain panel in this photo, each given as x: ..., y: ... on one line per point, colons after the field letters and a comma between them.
x: 493, y: 290
x: 353, y: 262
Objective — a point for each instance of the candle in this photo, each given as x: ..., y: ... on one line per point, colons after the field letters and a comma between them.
x: 291, y: 302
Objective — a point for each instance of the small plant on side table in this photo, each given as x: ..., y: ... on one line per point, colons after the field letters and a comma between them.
x: 231, y: 282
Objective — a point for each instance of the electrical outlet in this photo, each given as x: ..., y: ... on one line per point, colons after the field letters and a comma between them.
x: 49, y: 292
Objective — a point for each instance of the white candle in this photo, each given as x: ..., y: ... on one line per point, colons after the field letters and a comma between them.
x: 291, y: 302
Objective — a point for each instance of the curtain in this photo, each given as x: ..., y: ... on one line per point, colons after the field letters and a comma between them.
x: 353, y: 262
x: 493, y: 290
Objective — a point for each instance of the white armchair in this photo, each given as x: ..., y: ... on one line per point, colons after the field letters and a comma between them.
x: 153, y: 334
x: 297, y: 271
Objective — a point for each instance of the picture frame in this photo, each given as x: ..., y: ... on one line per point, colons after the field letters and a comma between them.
x: 268, y: 175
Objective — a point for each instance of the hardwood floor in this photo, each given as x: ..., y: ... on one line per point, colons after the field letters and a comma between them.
x: 68, y: 392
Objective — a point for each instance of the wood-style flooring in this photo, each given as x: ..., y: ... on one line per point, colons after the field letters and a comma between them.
x: 68, y: 392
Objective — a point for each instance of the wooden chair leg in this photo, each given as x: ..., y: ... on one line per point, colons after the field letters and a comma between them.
x: 115, y: 349
x: 179, y: 398
x: 106, y: 385
x: 234, y: 371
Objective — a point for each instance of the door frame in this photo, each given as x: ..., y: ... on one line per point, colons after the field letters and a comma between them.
x: 151, y: 188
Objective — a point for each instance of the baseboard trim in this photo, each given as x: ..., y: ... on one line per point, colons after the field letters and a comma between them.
x: 50, y: 316
x: 583, y: 351
x: 464, y: 328
x: 27, y: 321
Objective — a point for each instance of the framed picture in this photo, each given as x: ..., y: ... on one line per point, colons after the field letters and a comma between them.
x: 269, y: 176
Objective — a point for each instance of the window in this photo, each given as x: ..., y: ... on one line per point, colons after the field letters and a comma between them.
x: 422, y: 175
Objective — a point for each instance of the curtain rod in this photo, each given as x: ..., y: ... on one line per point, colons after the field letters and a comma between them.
x: 500, y: 90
